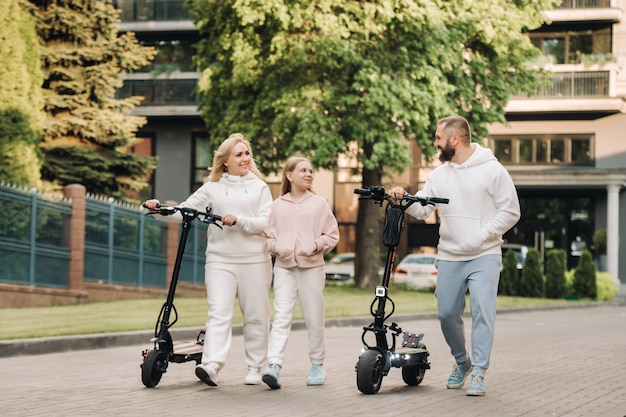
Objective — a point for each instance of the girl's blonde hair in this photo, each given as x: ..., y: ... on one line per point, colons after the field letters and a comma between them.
x: 223, y: 152
x: 290, y: 165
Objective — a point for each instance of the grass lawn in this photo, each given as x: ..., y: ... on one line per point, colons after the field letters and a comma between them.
x: 133, y: 315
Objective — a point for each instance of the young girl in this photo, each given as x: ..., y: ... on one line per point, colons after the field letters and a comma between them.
x: 301, y: 228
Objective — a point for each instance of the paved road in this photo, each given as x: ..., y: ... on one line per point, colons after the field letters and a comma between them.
x: 562, y: 362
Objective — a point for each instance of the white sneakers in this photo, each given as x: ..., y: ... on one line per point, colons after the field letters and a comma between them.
x: 253, y: 377
x: 208, y: 374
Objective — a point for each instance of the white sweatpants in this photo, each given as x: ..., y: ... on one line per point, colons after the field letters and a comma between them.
x: 307, y: 284
x: 250, y: 283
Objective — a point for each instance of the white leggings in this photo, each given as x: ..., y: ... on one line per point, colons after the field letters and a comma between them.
x: 307, y: 284
x: 250, y: 283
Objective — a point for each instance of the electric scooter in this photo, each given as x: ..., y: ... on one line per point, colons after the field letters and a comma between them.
x: 155, y: 361
x: 376, y: 360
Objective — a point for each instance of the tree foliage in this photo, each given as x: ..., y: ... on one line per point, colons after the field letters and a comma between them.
x: 556, y: 267
x: 509, y: 277
x: 329, y: 77
x: 88, y: 129
x: 585, y: 284
x: 531, y: 283
x: 21, y: 102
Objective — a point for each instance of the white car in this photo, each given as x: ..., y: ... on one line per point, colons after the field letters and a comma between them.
x: 416, y: 270
x: 340, y: 268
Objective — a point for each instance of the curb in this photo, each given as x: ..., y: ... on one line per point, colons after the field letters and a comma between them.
x: 44, y: 345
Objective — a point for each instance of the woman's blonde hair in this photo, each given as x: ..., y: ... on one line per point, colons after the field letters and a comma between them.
x: 223, y: 152
x: 290, y: 165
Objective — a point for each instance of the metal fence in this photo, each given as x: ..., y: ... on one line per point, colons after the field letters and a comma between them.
x: 122, y: 245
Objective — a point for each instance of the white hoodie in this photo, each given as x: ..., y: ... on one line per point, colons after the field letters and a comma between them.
x: 247, y: 197
x: 483, y: 205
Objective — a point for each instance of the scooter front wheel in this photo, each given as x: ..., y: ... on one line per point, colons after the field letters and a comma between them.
x: 413, y: 375
x: 369, y: 371
x: 153, y: 367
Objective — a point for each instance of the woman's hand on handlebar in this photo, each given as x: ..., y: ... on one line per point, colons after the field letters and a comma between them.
x: 396, y: 193
x: 229, y: 219
x: 152, y: 204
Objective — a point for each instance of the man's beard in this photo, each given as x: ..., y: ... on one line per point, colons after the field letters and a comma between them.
x: 447, y: 152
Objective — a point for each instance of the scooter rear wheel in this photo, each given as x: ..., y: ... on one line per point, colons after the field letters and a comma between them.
x: 369, y: 371
x: 153, y: 367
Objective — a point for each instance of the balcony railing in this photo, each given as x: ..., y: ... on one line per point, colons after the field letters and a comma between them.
x: 575, y: 84
x: 152, y: 10
x: 162, y: 92
x: 584, y: 4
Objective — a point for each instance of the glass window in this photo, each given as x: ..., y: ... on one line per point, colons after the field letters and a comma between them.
x: 555, y: 47
x: 172, y: 55
x: 525, y: 151
x: 579, y: 45
x: 203, y: 158
x: 503, y: 150
x: 581, y: 151
x: 557, y: 151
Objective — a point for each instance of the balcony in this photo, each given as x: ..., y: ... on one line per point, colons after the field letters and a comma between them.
x: 585, y: 11
x: 154, y: 16
x: 573, y: 91
x: 175, y: 96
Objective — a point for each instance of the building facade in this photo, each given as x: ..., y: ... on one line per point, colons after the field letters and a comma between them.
x: 564, y: 146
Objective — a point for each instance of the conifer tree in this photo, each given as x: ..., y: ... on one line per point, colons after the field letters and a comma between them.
x: 556, y: 265
x: 21, y: 104
x: 532, y: 284
x: 509, y: 277
x: 585, y: 275
x: 88, y: 131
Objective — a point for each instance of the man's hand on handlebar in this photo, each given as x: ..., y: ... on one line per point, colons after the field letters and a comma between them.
x: 396, y: 193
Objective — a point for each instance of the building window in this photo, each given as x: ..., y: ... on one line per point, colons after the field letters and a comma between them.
x: 172, y: 55
x: 545, y: 149
x: 202, y: 159
x: 580, y: 45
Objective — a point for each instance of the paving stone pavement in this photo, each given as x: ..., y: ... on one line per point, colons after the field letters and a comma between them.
x: 556, y: 362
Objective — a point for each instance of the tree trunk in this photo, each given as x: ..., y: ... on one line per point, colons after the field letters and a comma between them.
x: 369, y: 236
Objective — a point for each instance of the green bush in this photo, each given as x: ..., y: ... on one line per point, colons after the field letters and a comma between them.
x: 607, y: 288
x: 531, y: 284
x: 584, y: 284
x: 509, y: 277
x: 556, y: 266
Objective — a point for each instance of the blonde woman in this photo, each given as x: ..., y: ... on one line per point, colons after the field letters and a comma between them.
x: 237, y: 264
x: 300, y: 230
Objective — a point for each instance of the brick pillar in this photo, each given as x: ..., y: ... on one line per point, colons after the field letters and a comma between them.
x: 77, y: 193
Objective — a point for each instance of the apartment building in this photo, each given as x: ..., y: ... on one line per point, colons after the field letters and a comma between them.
x: 564, y: 146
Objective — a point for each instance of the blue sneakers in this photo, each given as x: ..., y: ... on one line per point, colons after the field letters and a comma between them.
x: 477, y: 386
x: 460, y: 372
x: 317, y: 375
x: 270, y: 376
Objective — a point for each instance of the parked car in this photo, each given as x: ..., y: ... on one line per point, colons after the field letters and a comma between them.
x: 340, y: 268
x: 417, y: 270
x: 520, y: 253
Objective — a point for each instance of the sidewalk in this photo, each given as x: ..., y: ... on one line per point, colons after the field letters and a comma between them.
x: 559, y: 362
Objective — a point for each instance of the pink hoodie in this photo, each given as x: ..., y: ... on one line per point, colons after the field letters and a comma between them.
x: 300, y: 233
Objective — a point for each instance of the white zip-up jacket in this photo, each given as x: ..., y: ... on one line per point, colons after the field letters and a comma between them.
x: 483, y: 205
x: 247, y: 197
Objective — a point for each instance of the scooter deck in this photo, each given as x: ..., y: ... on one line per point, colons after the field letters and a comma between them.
x: 187, y: 347
x: 410, y: 350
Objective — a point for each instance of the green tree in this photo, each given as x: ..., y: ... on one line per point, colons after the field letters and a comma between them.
x: 330, y: 77
x: 585, y: 284
x: 509, y: 277
x: 531, y: 284
x: 21, y: 101
x: 556, y: 266
x: 88, y: 131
